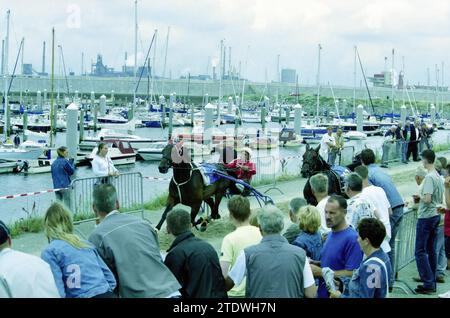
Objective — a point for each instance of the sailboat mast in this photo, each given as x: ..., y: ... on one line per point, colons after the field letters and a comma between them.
x: 318, y: 85
x: 165, y: 60
x: 6, y: 73
x: 354, y: 83
x: 52, y: 107
x: 135, y: 56
x: 392, y: 85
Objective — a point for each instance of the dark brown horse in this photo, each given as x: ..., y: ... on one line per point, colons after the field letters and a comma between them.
x: 187, y: 186
x: 313, y: 164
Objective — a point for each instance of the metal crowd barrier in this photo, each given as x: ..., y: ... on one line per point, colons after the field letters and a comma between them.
x: 346, y: 155
x: 267, y: 168
x: 405, y: 246
x: 392, y: 152
x: 129, y: 194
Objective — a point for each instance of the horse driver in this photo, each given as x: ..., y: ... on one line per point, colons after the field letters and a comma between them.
x: 243, y: 169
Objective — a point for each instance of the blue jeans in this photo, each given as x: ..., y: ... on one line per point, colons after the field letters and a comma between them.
x: 385, y: 156
x: 426, y: 258
x: 332, y: 157
x: 440, y: 252
x: 404, y: 150
x: 396, y: 220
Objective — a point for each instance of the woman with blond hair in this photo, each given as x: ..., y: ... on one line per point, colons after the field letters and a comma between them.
x: 78, y: 269
x: 309, y: 238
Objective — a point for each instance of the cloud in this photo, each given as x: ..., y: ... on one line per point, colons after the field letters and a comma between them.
x: 291, y: 28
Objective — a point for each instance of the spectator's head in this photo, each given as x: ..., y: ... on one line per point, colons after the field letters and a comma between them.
x: 105, y: 200
x: 239, y: 208
x: 62, y: 152
x: 353, y: 184
x: 367, y: 157
x: 178, y: 222
x: 393, y: 128
x: 371, y: 233
x: 246, y: 154
x: 330, y: 130
x: 420, y: 175
x: 58, y: 226
x: 309, y: 219
x: 335, y: 212
x: 428, y: 158
x: 270, y: 220
x: 447, y: 171
x: 424, y: 126
x: 434, y: 126
x: 417, y: 122
x: 339, y: 131
x: 363, y: 172
x: 400, y: 124
x: 253, y: 221
x: 5, y: 236
x: 440, y: 164
x: 102, y: 149
x: 319, y: 185
x: 294, y: 208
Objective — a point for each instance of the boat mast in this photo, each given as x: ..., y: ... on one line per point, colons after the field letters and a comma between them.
x: 442, y: 87
x: 52, y: 107
x: 318, y: 85
x: 354, y: 83
x: 165, y: 60
x: 133, y: 105
x: 6, y: 73
x: 153, y: 67
x: 392, y: 86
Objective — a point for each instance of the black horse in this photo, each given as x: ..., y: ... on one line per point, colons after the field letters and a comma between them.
x: 313, y: 164
x: 187, y: 186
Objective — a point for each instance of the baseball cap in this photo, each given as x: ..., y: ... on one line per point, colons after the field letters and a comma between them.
x: 4, y: 233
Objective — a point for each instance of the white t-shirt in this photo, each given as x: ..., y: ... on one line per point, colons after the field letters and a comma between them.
x: 377, y: 198
x: 102, y: 166
x: 239, y: 271
x: 323, y: 222
x: 324, y: 148
x: 25, y: 276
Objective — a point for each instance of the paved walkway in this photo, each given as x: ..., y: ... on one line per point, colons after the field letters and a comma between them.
x: 402, y: 174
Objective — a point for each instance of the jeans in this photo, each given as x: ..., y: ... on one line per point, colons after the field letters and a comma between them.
x: 396, y: 220
x: 440, y: 252
x: 398, y: 149
x: 332, y: 157
x: 385, y: 156
x: 404, y: 150
x: 426, y: 258
x: 64, y: 197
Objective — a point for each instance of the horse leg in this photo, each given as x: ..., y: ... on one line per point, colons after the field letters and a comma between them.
x: 215, y: 211
x: 210, y: 203
x: 170, y: 204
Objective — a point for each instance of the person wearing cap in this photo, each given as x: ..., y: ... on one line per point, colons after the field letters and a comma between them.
x: 389, y: 139
x: 23, y: 275
x: 243, y: 169
x: 62, y: 169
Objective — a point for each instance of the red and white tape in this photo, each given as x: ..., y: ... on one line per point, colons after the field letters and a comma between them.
x: 29, y: 194
x: 290, y: 157
x: 157, y: 179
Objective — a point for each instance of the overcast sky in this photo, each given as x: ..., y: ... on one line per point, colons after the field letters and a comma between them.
x: 257, y: 31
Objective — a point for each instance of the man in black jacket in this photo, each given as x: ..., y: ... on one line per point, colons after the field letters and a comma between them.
x: 414, y: 140
x: 194, y: 262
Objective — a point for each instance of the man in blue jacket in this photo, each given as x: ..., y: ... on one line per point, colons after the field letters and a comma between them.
x: 62, y: 169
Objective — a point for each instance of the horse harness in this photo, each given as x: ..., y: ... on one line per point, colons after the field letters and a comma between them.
x: 178, y: 185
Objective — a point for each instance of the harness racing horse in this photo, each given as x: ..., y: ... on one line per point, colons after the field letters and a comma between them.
x: 187, y: 185
x: 313, y: 164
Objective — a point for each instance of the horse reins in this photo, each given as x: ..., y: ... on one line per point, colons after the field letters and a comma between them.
x: 178, y: 185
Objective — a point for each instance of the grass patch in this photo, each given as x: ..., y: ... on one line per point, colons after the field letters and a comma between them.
x: 157, y: 203
x: 28, y: 225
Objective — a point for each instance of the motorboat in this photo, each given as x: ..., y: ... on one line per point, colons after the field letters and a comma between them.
x: 355, y: 135
x: 153, y: 152
x: 26, y: 151
x: 136, y: 142
x: 288, y: 138
x: 120, y: 152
